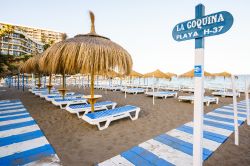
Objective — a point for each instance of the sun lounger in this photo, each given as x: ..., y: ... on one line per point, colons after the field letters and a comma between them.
x: 71, y: 100
x: 114, y: 88
x: 188, y: 90
x: 45, y: 94
x: 171, y: 88
x: 135, y: 90
x: 34, y: 90
x: 107, y: 116
x: 52, y: 97
x: 207, y: 99
x: 163, y: 94
x: 225, y: 94
x: 77, y: 108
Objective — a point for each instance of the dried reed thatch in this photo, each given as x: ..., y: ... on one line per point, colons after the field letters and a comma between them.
x: 157, y: 74
x: 88, y: 53
x: 190, y: 74
x: 171, y: 74
x: 135, y: 74
x: 85, y: 54
x: 31, y: 65
x: 223, y: 74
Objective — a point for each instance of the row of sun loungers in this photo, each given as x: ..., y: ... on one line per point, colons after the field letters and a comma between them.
x: 105, y: 111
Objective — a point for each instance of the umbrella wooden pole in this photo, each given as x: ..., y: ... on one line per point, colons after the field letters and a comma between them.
x: 63, y: 85
x: 39, y: 81
x: 23, y: 81
x: 50, y: 85
x: 92, y: 90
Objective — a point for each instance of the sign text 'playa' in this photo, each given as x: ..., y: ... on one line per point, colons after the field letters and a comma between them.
x: 210, y: 25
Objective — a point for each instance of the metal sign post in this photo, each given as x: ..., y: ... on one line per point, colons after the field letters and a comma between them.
x: 236, y: 131
x: 199, y: 28
x: 247, y: 101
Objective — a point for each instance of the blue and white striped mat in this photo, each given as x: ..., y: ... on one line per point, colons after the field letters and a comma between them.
x: 176, y: 146
x: 21, y: 140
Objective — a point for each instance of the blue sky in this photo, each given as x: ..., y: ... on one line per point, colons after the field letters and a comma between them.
x: 144, y: 28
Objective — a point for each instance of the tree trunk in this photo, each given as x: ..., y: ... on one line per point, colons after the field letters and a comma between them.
x: 8, y: 48
x: 1, y: 38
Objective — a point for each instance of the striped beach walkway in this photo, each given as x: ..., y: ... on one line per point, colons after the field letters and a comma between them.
x: 176, y: 146
x: 21, y: 140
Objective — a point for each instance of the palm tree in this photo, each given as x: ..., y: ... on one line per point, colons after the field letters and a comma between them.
x: 6, y: 31
x: 1, y: 38
x: 64, y: 36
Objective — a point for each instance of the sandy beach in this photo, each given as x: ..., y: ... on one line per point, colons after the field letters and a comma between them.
x: 78, y: 143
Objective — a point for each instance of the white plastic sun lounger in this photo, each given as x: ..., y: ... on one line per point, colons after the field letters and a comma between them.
x: 78, y: 108
x: 163, y: 94
x: 107, y: 116
x: 59, y: 96
x: 171, y: 88
x: 225, y: 94
x: 188, y: 90
x: 207, y: 99
x: 63, y: 102
x: 114, y: 88
x: 135, y: 90
x: 44, y: 94
x: 36, y: 90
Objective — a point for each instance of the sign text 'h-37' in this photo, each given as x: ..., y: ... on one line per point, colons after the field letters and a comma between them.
x: 210, y: 25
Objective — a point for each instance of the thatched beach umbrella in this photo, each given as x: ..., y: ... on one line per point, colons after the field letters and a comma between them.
x: 190, y: 74
x: 156, y: 74
x: 88, y: 53
x: 223, y: 74
x: 32, y: 66
x: 135, y: 74
x: 171, y: 74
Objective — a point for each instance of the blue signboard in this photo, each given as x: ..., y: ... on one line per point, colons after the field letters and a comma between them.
x: 197, y: 71
x: 205, y: 26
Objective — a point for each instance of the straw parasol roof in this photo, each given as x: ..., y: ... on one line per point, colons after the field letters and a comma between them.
x: 135, y: 74
x: 171, y: 74
x: 157, y: 74
x: 190, y: 74
x: 86, y: 53
x: 113, y: 74
x: 31, y: 65
x: 222, y: 74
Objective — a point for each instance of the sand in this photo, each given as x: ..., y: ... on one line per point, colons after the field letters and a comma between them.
x: 78, y: 143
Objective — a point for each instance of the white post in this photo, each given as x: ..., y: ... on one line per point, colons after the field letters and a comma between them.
x: 198, y: 110
x: 247, y: 101
x: 153, y: 90
x: 236, y: 131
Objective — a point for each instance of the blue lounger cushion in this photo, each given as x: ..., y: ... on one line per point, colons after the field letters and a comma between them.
x: 77, y: 106
x: 101, y: 114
